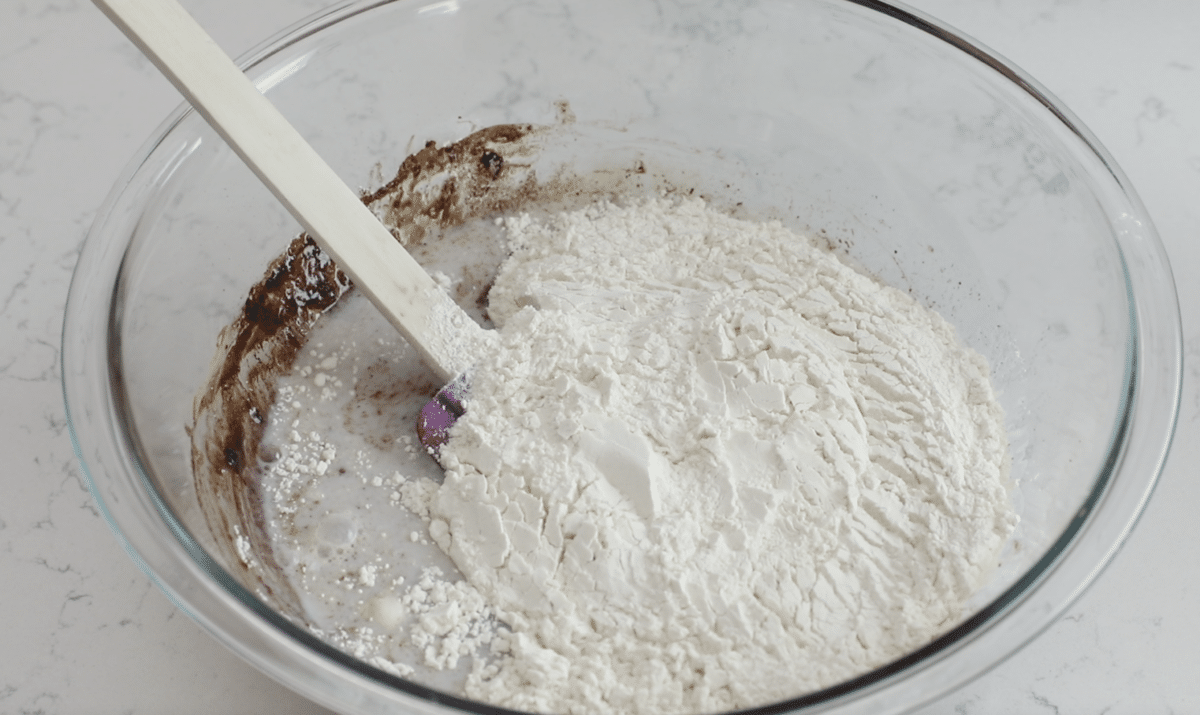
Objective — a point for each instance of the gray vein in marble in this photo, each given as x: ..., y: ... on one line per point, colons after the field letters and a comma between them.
x: 1154, y: 110
x: 1043, y: 702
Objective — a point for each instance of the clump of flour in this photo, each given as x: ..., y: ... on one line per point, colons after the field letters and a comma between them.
x: 710, y: 466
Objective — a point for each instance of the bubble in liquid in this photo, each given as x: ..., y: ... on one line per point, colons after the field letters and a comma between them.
x: 337, y: 529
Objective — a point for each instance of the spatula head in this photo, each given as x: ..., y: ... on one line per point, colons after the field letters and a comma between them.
x: 439, y: 414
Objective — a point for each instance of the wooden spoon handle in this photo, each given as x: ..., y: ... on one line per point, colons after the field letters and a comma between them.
x: 331, y: 213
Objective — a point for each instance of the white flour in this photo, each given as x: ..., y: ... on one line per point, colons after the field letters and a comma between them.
x: 709, y: 466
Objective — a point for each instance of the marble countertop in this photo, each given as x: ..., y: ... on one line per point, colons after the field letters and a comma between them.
x: 85, y: 632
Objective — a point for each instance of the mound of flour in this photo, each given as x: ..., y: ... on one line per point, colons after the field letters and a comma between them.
x: 710, y: 466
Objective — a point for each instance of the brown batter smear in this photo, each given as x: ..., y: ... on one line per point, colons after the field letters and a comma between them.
x: 486, y: 172
x: 230, y: 414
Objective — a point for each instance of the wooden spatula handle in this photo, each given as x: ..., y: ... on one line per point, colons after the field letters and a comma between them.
x: 331, y: 213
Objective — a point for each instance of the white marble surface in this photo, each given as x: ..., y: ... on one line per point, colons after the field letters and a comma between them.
x: 83, y: 630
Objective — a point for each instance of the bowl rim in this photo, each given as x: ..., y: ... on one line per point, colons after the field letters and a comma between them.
x: 1138, y: 449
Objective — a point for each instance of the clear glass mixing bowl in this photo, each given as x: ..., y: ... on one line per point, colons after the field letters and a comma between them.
x: 922, y: 156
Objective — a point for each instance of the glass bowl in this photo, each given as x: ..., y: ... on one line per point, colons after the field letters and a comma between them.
x: 920, y: 155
